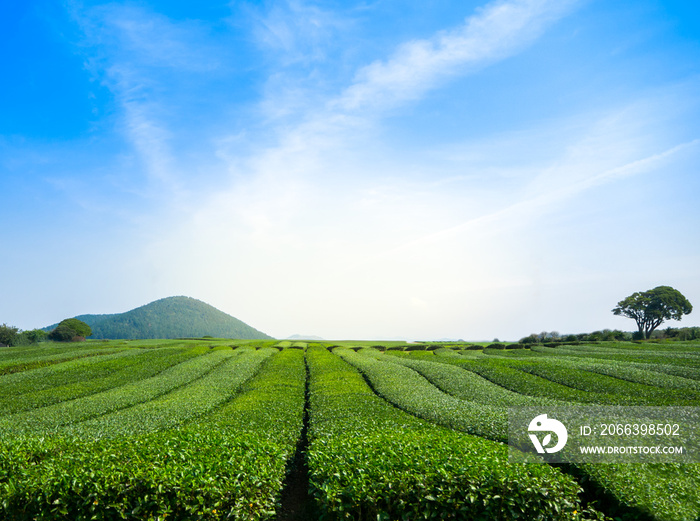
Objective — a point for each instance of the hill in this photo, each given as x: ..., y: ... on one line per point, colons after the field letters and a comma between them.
x: 172, y: 317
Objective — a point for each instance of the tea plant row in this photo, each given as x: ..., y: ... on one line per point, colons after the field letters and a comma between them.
x: 418, y: 383
x: 228, y: 463
x: 370, y: 461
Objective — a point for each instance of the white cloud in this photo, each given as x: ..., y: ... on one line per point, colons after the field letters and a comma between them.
x: 295, y: 31
x: 146, y: 39
x: 495, y: 32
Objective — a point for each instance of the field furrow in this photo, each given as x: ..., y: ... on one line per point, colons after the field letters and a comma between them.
x: 183, y: 403
x: 464, y: 384
x: 500, y: 372
x: 635, y: 373
x: 631, y: 392
x: 20, y: 363
x: 73, y: 411
x: 413, y: 393
x: 64, y: 372
x: 118, y: 371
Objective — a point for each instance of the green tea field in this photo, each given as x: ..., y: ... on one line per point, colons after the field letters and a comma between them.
x: 283, y: 430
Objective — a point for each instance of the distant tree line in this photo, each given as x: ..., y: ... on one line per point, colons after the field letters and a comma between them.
x: 13, y: 336
x: 69, y: 330
x: 606, y: 335
x: 611, y: 335
x: 649, y: 309
x: 682, y: 334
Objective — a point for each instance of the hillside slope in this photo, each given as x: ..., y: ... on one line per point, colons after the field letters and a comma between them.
x: 172, y: 317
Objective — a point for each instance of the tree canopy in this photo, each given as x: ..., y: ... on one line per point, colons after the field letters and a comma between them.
x: 69, y: 329
x: 649, y: 309
x: 8, y: 334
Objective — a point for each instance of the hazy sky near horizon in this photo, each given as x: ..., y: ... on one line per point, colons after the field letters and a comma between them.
x: 351, y: 169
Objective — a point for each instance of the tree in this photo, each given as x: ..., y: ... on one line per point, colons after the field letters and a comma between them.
x: 33, y: 336
x: 62, y: 333
x: 80, y: 327
x: 651, y: 308
x: 27, y: 338
x: 70, y: 329
x: 8, y: 334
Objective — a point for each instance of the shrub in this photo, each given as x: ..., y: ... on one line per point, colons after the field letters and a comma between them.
x: 416, y: 347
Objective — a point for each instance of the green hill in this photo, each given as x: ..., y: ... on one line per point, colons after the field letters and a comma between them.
x: 172, y: 317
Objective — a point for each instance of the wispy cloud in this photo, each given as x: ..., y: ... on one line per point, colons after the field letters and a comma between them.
x: 140, y: 55
x: 328, y: 147
x: 544, y: 202
x: 295, y: 31
x: 146, y: 39
x: 495, y: 32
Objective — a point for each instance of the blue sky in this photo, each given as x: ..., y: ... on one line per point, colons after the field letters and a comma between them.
x: 369, y: 169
